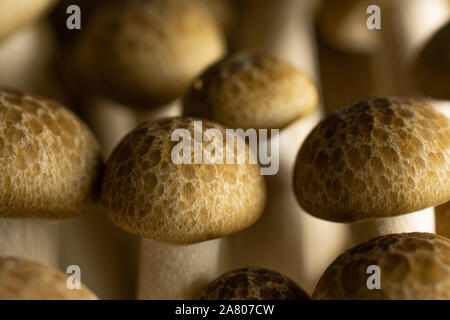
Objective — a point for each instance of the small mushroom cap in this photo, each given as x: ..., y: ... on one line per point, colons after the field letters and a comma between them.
x: 16, y: 13
x: 146, y: 53
x: 25, y: 280
x: 432, y: 67
x: 252, y: 90
x: 412, y: 266
x: 443, y: 219
x: 378, y: 158
x: 50, y: 163
x: 253, y: 284
x: 147, y: 194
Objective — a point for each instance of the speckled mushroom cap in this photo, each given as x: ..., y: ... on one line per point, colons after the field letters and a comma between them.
x: 16, y: 13
x: 251, y: 90
x: 377, y: 158
x: 412, y: 266
x: 432, y: 67
x: 146, y: 53
x: 147, y: 194
x: 50, y: 163
x: 25, y: 280
x: 443, y: 219
x: 253, y: 284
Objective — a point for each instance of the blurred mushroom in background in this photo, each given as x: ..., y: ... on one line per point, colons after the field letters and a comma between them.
x: 443, y: 219
x: 22, y: 279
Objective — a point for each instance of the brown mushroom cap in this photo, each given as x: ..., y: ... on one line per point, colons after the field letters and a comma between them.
x: 443, y: 219
x: 412, y: 266
x: 252, y: 90
x: 25, y: 280
x: 253, y: 284
x: 432, y: 68
x: 377, y: 158
x: 50, y: 163
x: 147, y: 194
x: 16, y: 13
x: 146, y: 53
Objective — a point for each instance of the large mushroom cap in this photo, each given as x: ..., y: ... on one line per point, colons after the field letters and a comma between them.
x: 253, y: 284
x: 412, y: 266
x: 432, y: 68
x: 25, y: 280
x: 146, y: 53
x: 377, y: 158
x: 443, y: 219
x: 252, y: 90
x: 15, y: 13
x: 147, y: 194
x: 50, y: 163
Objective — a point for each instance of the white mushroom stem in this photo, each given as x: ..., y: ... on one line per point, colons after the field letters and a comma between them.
x: 420, y: 221
x: 23, y: 59
x: 31, y: 239
x: 281, y: 239
x: 174, y: 272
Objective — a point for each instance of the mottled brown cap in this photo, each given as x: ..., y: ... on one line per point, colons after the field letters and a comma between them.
x: 25, y: 280
x: 16, y: 13
x: 432, y: 67
x: 253, y: 284
x: 252, y: 90
x: 411, y: 266
x: 147, y: 194
x: 146, y: 53
x: 378, y: 158
x: 50, y: 163
x: 443, y: 219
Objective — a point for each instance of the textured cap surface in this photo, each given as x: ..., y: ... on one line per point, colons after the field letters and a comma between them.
x: 432, y: 69
x: 443, y: 219
x: 412, y: 266
x: 25, y: 280
x: 149, y: 195
x: 15, y: 13
x: 253, y: 284
x: 252, y: 90
x: 50, y: 163
x: 377, y: 158
x: 146, y: 53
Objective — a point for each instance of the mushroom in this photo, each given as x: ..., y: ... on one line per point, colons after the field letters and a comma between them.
x: 443, y: 219
x: 21, y: 279
x: 147, y: 194
x: 378, y: 161
x: 14, y: 14
x: 145, y: 53
x: 253, y: 284
x: 283, y: 29
x: 411, y: 266
x: 50, y: 165
x: 252, y: 90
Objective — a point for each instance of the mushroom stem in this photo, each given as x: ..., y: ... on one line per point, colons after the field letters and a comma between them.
x: 31, y: 239
x: 173, y: 272
x: 281, y: 239
x: 172, y: 109
x: 419, y: 221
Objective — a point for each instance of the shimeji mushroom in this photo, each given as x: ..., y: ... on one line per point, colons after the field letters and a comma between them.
x: 443, y: 219
x: 50, y: 166
x: 411, y: 266
x: 147, y: 194
x: 14, y: 14
x: 252, y: 90
x: 253, y: 284
x: 377, y: 161
x: 26, y: 280
x: 146, y: 53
